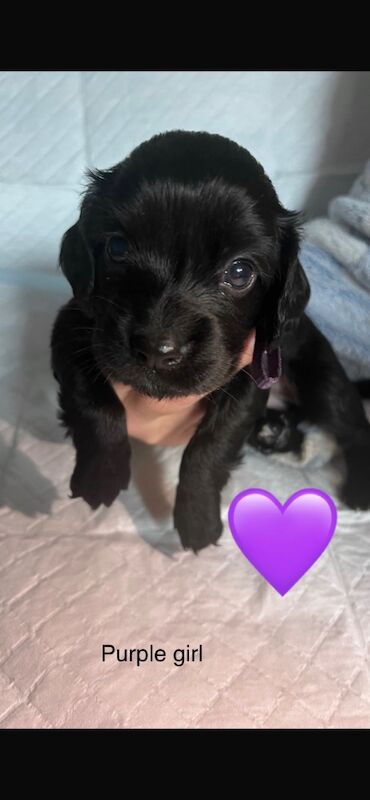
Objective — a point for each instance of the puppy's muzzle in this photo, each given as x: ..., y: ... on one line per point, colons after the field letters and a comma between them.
x: 162, y: 355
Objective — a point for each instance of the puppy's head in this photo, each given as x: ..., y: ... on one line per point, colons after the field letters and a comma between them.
x: 181, y: 250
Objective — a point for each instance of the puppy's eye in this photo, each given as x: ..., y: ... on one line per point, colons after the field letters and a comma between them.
x: 117, y: 248
x: 239, y: 275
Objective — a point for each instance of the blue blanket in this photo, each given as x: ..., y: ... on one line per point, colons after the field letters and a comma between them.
x: 336, y: 258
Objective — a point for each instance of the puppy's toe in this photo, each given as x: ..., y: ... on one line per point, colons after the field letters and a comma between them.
x: 276, y: 434
x: 196, y: 533
x: 356, y: 494
x: 356, y: 489
x: 199, y: 542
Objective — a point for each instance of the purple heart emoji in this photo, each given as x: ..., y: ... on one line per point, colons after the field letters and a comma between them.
x: 282, y: 542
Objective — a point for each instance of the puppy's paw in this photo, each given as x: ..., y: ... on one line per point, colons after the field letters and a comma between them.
x: 356, y: 489
x: 197, y: 525
x: 99, y: 478
x: 196, y: 535
x: 275, y: 433
x: 356, y: 492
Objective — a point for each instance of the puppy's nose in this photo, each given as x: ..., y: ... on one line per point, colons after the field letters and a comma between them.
x: 161, y: 355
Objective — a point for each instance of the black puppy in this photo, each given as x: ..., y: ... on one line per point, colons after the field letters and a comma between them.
x: 179, y: 252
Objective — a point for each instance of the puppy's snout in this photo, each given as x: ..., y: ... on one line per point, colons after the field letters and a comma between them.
x: 160, y: 355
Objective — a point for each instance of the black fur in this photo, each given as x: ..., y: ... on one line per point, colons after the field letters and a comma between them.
x: 188, y: 204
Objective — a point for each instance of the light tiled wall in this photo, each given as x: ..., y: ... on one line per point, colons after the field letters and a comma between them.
x: 311, y: 131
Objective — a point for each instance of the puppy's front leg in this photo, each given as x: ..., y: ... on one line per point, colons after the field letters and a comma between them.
x: 102, y: 466
x: 210, y: 455
x: 91, y: 413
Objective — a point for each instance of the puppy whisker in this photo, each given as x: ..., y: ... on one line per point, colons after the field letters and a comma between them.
x: 108, y: 300
x: 88, y: 347
x: 245, y: 371
x: 101, y: 330
x: 228, y: 393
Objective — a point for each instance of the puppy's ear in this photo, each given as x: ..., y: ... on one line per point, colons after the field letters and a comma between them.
x: 290, y: 291
x: 283, y: 306
x: 293, y: 287
x: 77, y: 262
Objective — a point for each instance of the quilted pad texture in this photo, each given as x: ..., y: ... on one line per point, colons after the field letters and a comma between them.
x: 72, y: 580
